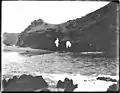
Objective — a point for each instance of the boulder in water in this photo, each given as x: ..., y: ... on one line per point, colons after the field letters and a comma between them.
x: 114, y: 87
x: 106, y: 79
x: 67, y: 85
x: 25, y: 83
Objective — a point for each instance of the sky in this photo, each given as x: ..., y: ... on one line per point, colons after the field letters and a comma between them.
x: 17, y: 15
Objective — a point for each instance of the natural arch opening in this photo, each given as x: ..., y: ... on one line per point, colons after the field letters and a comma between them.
x: 57, y: 42
x: 68, y: 44
x: 62, y: 46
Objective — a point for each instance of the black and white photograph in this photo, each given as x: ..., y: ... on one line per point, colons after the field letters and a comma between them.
x: 60, y: 46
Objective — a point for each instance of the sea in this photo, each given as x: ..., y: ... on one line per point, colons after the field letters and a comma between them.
x: 57, y: 66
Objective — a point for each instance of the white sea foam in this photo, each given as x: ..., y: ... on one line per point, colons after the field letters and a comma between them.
x: 91, y: 84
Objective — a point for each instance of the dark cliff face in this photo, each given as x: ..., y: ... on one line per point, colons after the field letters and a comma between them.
x: 94, y: 32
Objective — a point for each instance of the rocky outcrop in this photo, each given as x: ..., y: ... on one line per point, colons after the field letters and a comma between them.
x: 38, y: 35
x: 106, y: 79
x: 67, y: 85
x: 24, y: 83
x: 94, y: 32
x: 10, y: 38
x: 113, y: 87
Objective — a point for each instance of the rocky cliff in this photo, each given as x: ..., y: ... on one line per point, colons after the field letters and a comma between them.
x: 95, y: 31
x: 10, y: 38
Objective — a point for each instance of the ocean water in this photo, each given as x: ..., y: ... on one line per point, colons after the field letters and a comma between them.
x: 56, y: 66
x: 58, y: 63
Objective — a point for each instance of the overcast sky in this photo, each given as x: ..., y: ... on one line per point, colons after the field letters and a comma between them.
x: 17, y: 15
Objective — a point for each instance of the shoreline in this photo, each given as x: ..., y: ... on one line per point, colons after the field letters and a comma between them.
x: 85, y: 83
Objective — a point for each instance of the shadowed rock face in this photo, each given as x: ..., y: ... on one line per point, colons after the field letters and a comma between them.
x: 24, y: 83
x: 94, y: 32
